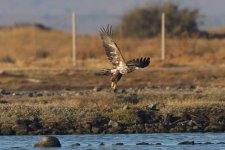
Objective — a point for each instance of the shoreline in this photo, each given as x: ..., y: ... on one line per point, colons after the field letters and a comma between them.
x: 148, y: 121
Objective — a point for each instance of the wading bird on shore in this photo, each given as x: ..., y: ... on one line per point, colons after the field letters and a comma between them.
x: 120, y: 66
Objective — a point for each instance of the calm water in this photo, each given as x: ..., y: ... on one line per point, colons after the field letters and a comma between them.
x: 91, y: 142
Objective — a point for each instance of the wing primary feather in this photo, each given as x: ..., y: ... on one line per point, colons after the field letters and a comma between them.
x: 112, y: 51
x: 139, y: 62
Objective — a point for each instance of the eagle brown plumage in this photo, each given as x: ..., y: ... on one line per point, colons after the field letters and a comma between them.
x: 120, y: 67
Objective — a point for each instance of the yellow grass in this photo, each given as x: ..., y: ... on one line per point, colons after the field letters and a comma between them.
x: 24, y: 46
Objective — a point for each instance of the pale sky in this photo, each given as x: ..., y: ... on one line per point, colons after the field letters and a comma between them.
x: 92, y: 13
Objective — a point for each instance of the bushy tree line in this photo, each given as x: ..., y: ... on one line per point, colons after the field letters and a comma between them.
x: 146, y: 21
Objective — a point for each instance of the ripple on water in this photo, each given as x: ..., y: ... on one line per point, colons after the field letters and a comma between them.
x: 93, y: 142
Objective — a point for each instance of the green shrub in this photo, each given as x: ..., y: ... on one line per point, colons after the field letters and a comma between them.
x: 146, y: 21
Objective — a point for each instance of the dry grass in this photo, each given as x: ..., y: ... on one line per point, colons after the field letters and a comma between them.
x: 30, y: 46
x: 66, y: 107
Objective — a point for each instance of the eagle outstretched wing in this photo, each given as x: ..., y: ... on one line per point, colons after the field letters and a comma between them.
x: 112, y: 51
x: 139, y: 62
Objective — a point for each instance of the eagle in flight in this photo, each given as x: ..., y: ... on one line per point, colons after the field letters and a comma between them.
x: 120, y: 66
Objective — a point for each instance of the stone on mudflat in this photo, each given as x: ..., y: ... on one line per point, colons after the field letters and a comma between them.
x: 5, y: 92
x: 97, y: 89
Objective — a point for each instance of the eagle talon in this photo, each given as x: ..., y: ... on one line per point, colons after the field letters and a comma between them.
x: 113, y: 86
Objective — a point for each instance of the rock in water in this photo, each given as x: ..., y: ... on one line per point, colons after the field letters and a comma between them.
x: 186, y: 143
x: 48, y: 141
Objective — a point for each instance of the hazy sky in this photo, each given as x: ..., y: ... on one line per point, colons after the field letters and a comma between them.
x: 92, y: 13
x: 210, y: 7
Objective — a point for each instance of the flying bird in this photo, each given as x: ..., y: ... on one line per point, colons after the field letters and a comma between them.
x: 120, y: 66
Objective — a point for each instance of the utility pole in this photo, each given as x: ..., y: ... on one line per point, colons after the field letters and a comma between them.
x: 163, y: 36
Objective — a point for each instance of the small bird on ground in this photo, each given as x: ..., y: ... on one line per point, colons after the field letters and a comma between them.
x: 120, y: 66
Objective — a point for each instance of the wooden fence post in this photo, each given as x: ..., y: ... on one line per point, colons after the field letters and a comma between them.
x: 74, y: 38
x: 163, y: 36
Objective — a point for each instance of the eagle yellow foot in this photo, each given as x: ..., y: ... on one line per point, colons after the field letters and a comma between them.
x: 113, y: 86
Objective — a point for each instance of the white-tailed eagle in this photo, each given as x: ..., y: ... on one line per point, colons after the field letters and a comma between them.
x: 120, y: 66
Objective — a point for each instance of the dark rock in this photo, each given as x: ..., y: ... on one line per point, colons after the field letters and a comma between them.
x: 77, y: 144
x: 39, y: 94
x: 25, y: 122
x: 158, y: 143
x: 161, y: 128
x: 196, y: 128
x: 113, y: 123
x: 118, y: 144
x: 221, y: 120
x: 97, y: 89
x: 119, y: 91
x: 15, y: 94
x: 191, y: 123
x: 145, y: 116
x: 153, y: 107
x: 6, y: 130
x: 31, y: 94
x: 199, y: 143
x: 187, y: 143
x: 100, y: 121
x: 220, y: 143
x: 142, y: 143
x: 102, y: 144
x: 208, y: 143
x: 171, y: 119
x: 5, y: 92
x: 48, y: 141
x: 35, y: 126
x: 3, y: 101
